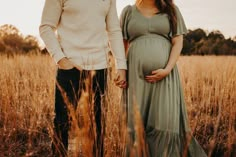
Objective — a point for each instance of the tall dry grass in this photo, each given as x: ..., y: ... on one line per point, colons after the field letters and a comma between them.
x: 209, y: 84
x: 27, y: 99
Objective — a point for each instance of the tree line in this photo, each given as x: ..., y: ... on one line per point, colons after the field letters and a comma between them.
x: 196, y: 42
x: 13, y: 42
x: 200, y: 42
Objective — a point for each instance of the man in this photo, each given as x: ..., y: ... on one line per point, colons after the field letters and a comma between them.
x: 76, y: 34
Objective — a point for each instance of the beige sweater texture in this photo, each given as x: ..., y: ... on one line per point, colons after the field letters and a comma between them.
x: 84, y: 31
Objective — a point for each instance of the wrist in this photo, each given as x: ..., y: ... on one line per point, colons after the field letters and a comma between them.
x: 168, y: 70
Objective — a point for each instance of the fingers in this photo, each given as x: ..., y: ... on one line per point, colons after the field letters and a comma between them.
x: 156, y: 75
x: 120, y: 79
x: 122, y: 84
x: 78, y: 67
x: 65, y: 67
x: 152, y: 78
x: 117, y: 82
x: 155, y: 71
x: 117, y: 78
x: 65, y: 64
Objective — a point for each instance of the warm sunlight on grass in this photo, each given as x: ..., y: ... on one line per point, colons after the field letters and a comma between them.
x: 27, y: 104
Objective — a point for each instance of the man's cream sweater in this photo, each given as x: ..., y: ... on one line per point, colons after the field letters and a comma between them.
x: 83, y: 31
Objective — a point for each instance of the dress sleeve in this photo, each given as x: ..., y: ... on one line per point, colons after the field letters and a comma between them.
x: 181, y: 27
x: 124, y: 21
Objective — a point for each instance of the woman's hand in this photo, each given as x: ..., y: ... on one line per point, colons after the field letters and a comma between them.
x: 66, y: 64
x: 157, y: 75
x: 120, y: 78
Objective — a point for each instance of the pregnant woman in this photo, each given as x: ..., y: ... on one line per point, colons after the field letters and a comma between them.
x: 153, y: 36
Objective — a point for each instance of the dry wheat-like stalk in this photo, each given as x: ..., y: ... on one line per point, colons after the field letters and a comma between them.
x: 27, y: 102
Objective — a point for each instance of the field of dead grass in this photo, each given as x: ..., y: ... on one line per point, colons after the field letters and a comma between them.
x: 27, y: 97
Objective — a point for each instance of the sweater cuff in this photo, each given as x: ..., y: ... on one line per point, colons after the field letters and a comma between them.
x: 58, y: 56
x: 121, y: 64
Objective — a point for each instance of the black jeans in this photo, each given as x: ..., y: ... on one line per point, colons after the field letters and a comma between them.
x: 70, y: 84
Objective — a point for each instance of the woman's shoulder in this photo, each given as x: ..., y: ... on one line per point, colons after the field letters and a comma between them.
x: 126, y: 9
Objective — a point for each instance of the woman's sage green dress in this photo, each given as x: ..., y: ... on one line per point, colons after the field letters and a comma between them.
x: 161, y: 104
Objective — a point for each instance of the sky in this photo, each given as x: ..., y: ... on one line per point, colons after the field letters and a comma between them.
x: 207, y: 14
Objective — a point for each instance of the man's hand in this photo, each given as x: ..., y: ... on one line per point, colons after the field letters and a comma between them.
x: 66, y: 64
x: 120, y: 78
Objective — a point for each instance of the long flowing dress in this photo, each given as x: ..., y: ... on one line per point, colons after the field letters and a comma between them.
x: 161, y: 104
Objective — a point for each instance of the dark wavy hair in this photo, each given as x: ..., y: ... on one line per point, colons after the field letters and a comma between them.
x: 168, y: 7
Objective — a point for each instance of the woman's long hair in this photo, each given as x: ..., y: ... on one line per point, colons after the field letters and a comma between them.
x: 168, y: 7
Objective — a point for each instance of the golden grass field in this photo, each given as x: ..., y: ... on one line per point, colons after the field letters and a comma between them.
x: 27, y: 102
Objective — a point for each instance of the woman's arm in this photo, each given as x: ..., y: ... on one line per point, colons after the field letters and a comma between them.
x: 126, y: 45
x: 159, y: 74
x: 177, y: 45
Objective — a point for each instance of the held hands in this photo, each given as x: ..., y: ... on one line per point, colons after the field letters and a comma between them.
x: 157, y: 75
x: 66, y: 64
x: 120, y: 78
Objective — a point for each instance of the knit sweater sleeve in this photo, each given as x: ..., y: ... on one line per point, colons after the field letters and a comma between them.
x: 115, y: 36
x: 50, y: 18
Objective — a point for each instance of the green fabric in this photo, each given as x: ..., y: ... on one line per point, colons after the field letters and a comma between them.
x: 161, y: 104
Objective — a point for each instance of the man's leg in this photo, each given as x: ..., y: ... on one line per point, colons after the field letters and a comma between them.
x: 99, y: 87
x: 66, y: 94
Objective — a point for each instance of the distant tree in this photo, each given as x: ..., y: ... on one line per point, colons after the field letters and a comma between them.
x: 12, y: 41
x: 234, y: 38
x: 187, y: 48
x: 2, y: 46
x: 11, y: 37
x: 197, y: 42
x: 196, y: 35
x: 30, y: 42
x: 216, y: 35
x: 9, y: 29
x: 191, y: 40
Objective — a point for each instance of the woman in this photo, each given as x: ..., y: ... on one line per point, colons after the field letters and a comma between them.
x: 80, y: 47
x: 153, y: 36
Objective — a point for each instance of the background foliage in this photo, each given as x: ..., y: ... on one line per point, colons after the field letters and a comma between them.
x: 196, y: 42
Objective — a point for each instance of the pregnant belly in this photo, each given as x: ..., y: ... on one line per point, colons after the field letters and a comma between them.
x: 147, y: 55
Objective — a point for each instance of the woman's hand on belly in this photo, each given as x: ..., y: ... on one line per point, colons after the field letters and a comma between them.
x: 157, y: 75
